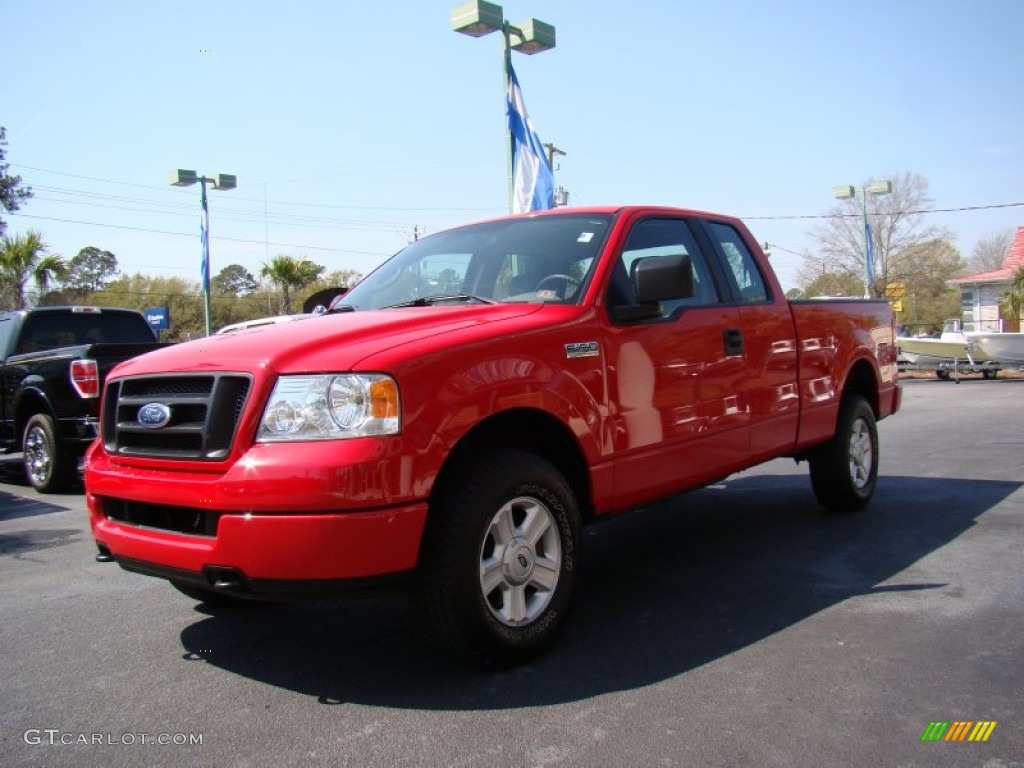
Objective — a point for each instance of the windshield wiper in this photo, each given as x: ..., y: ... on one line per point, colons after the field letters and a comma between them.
x: 441, y: 298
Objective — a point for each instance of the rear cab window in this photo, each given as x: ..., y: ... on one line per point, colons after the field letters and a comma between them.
x: 741, y: 268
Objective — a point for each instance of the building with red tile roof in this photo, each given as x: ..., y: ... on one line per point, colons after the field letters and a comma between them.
x: 980, y: 293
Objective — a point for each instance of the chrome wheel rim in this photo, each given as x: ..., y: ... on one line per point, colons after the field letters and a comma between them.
x: 37, y: 455
x: 520, y: 561
x: 862, y: 454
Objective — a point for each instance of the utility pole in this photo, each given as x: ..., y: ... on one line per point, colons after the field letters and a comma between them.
x: 552, y: 151
x: 561, y: 194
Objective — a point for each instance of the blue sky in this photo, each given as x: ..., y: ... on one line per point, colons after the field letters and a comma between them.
x: 349, y: 125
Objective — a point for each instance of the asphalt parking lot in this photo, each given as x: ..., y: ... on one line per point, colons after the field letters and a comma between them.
x: 736, y: 625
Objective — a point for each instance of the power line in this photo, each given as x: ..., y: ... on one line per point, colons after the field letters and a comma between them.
x: 259, y: 200
x: 882, y: 213
x: 193, y: 235
x: 246, y: 217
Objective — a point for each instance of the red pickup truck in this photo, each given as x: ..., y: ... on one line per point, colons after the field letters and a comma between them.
x: 474, y: 401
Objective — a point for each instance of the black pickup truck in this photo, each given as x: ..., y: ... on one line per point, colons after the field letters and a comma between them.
x: 53, y: 361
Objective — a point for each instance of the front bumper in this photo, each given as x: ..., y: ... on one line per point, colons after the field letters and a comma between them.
x: 303, y: 514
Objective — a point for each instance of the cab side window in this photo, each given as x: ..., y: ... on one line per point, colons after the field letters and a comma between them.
x: 742, y: 269
x: 661, y: 237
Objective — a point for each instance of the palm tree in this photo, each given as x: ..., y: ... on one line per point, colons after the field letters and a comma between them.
x: 1012, y: 301
x: 289, y: 273
x: 24, y: 258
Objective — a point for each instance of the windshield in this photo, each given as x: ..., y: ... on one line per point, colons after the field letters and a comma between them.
x: 545, y: 259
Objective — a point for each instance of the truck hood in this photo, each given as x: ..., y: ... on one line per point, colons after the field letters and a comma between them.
x: 327, y: 343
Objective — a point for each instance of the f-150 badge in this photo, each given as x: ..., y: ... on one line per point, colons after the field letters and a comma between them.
x: 582, y: 349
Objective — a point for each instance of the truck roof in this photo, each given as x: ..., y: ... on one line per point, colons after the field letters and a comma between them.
x: 76, y: 309
x: 619, y: 209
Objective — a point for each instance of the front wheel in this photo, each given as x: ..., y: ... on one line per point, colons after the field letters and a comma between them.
x: 844, y: 470
x: 498, y: 561
x: 48, y: 468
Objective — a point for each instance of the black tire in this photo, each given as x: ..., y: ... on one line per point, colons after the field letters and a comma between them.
x: 844, y: 470
x: 990, y: 373
x: 498, y: 561
x: 944, y: 375
x: 48, y: 467
x: 208, y: 596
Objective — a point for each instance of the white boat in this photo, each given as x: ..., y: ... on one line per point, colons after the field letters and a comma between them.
x: 1007, y: 348
x: 951, y: 346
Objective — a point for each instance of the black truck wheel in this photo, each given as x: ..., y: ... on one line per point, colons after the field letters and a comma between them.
x: 844, y: 470
x: 49, y: 468
x: 498, y: 561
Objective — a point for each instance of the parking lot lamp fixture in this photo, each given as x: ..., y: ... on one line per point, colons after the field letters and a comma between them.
x: 222, y: 181
x: 479, y: 18
x: 845, y: 192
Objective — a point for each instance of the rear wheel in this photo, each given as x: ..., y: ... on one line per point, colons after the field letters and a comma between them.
x: 498, y: 561
x: 990, y: 373
x: 48, y: 468
x: 844, y: 470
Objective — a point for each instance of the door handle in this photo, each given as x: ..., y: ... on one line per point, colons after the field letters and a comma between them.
x: 733, y: 339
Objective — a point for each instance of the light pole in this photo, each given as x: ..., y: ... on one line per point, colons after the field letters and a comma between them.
x: 479, y: 18
x: 222, y: 181
x: 845, y: 192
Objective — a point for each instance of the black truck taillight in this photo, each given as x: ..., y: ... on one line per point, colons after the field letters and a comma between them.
x: 85, y: 378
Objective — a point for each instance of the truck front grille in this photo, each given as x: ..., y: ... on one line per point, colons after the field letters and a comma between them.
x: 204, y: 412
x: 195, y: 522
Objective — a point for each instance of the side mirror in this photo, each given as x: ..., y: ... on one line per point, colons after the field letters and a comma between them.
x: 663, y: 278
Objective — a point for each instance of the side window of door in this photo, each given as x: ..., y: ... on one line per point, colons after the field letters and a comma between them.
x: 741, y: 267
x: 661, y: 237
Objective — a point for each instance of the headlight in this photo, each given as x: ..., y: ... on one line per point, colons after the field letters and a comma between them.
x: 329, y: 406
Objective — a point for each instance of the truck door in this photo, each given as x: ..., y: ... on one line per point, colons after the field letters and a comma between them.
x: 676, y: 381
x: 769, y: 343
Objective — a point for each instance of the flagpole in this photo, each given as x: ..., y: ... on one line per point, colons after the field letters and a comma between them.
x: 867, y: 245
x: 206, y: 255
x: 509, y: 139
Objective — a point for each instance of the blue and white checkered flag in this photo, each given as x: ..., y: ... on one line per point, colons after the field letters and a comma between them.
x: 533, y: 183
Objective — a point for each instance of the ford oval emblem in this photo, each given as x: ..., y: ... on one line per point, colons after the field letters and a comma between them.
x: 154, y: 415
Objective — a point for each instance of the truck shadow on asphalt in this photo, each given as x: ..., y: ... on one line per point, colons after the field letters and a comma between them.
x: 13, y: 506
x: 662, y: 591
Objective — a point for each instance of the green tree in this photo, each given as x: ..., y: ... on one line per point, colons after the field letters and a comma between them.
x: 290, y: 274
x: 90, y: 270
x: 24, y: 258
x: 925, y: 270
x: 182, y: 298
x: 834, y: 284
x: 12, y: 193
x: 1012, y: 301
x: 235, y: 279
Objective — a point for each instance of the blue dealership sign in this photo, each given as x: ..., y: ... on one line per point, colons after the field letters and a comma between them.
x: 159, y: 318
